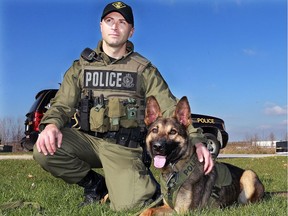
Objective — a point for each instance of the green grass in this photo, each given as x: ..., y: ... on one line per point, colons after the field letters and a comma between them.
x: 24, y: 180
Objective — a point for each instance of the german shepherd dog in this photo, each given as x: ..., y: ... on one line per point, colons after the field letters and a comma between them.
x: 185, y: 186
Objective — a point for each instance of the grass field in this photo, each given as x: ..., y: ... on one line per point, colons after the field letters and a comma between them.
x: 42, y: 194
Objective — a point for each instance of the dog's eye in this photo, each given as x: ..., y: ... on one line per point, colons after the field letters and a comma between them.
x: 154, y: 130
x: 173, y: 132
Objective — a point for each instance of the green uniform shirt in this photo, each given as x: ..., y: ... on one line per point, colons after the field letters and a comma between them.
x: 64, y: 105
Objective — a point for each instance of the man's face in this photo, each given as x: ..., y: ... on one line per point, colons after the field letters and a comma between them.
x: 115, y: 29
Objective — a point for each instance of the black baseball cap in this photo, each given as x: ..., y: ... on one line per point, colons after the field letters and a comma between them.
x: 122, y: 8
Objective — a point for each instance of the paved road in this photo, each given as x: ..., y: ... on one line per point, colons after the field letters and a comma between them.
x: 16, y: 157
x: 29, y: 157
x: 251, y: 155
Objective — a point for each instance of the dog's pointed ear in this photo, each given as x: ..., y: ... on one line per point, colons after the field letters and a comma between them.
x: 183, y: 112
x: 152, y: 111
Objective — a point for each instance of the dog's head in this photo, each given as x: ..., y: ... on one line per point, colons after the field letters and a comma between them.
x: 166, y: 139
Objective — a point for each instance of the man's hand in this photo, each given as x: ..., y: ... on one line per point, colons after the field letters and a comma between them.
x: 204, y: 155
x: 49, y: 139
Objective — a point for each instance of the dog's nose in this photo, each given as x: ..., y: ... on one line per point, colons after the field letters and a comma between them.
x: 158, y: 147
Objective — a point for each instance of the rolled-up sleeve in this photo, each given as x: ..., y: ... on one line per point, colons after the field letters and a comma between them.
x: 63, y: 105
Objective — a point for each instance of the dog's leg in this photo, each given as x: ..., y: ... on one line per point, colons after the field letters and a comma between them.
x: 162, y: 210
x: 251, y: 188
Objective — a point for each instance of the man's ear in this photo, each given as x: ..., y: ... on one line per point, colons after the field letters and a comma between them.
x: 101, y: 26
x: 152, y: 111
x: 131, y: 32
x: 183, y: 112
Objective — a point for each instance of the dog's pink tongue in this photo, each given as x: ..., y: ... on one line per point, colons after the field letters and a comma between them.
x: 159, y: 161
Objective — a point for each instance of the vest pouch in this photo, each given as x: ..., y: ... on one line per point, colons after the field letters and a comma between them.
x: 127, y: 123
x: 116, y: 110
x: 130, y: 119
x: 99, y: 121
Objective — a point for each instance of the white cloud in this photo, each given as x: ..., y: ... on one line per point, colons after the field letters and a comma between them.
x: 276, y: 110
x: 264, y: 126
x: 284, y: 122
x: 249, y: 52
x: 239, y: 2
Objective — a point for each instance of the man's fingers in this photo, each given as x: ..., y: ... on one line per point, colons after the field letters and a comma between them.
x: 41, y: 145
x: 200, y: 157
x: 50, y: 144
x: 210, y: 166
x: 204, y: 156
x: 59, y: 140
x: 37, y: 143
x: 48, y: 140
x: 54, y: 140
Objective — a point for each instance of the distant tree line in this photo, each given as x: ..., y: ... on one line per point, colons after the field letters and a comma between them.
x: 270, y: 137
x: 11, y: 130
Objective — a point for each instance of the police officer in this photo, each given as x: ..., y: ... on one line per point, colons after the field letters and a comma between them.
x: 107, y: 87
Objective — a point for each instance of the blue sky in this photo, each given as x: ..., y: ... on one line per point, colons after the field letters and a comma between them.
x: 228, y: 56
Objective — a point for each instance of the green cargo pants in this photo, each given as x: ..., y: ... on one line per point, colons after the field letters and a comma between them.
x: 127, y: 179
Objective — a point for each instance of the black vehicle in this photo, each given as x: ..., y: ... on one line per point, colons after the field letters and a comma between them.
x: 213, y: 128
x: 34, y: 116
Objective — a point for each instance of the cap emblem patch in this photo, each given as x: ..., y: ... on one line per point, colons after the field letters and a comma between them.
x: 119, y: 5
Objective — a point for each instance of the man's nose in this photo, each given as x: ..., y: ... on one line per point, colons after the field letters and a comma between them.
x: 115, y: 25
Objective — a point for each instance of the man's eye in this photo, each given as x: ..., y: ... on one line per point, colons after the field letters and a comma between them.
x: 173, y: 132
x: 108, y: 20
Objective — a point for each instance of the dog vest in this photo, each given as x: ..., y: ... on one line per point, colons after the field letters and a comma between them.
x: 171, y: 187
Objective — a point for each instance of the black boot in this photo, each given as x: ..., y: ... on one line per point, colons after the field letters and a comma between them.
x: 94, y: 188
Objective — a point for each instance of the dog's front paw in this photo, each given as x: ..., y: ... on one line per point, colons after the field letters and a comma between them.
x: 161, y: 210
x: 147, y: 212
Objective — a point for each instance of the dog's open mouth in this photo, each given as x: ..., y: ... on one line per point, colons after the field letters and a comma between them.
x: 159, y: 161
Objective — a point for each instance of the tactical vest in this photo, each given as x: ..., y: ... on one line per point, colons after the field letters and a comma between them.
x: 113, y: 95
x: 191, y: 170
